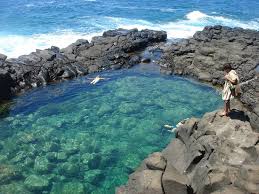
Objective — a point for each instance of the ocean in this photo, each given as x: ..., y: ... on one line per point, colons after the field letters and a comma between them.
x: 26, y: 25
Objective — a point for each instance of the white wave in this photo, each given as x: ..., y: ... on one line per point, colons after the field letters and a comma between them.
x: 195, y: 15
x: 193, y: 22
x: 16, y: 45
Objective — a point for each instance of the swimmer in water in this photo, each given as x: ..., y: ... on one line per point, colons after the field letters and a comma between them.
x: 96, y: 79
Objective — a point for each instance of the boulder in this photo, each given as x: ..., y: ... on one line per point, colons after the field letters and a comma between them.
x: 42, y: 165
x: 155, y: 161
x: 37, y: 183
x: 143, y: 182
x: 174, y: 182
x: 6, y: 84
x: 68, y: 188
x: 9, y: 173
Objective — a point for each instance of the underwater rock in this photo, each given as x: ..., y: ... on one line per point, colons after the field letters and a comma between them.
x: 68, y: 188
x: 51, y: 147
x: 37, y: 183
x: 14, y: 188
x: 61, y: 156
x: 9, y: 173
x: 93, y: 176
x: 69, y: 169
x: 41, y: 164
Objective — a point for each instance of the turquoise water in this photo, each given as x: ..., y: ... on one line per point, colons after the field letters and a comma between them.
x: 73, y: 137
x: 27, y: 25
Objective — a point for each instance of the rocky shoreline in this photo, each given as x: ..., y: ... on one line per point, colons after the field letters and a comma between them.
x: 213, y: 154
x: 208, y: 155
x: 115, y: 49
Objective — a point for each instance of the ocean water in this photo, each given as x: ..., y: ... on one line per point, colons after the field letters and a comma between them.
x: 73, y: 137
x: 30, y: 24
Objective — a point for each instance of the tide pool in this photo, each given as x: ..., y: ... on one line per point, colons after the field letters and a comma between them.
x: 74, y: 137
x: 27, y: 25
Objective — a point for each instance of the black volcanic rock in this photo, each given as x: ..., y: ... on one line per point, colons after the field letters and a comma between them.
x: 114, y: 50
x: 204, y: 55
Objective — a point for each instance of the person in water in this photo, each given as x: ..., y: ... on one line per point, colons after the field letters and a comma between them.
x: 96, y: 79
x: 230, y: 88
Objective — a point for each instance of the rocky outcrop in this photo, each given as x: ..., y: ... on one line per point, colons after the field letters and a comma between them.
x: 114, y: 50
x: 208, y: 155
x: 213, y: 154
x: 204, y: 55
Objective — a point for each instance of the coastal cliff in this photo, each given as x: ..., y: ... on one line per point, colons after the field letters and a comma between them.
x: 213, y: 154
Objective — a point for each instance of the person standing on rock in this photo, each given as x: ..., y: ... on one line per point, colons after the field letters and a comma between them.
x: 230, y: 89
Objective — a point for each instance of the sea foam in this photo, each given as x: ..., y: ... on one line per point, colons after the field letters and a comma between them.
x: 15, y: 45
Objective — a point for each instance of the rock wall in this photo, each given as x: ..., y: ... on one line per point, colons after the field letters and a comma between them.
x: 209, y: 155
x: 213, y: 154
x: 204, y: 55
x: 114, y: 50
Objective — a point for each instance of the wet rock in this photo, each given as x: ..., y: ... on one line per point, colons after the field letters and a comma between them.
x: 9, y: 173
x: 42, y: 165
x: 93, y: 176
x: 51, y: 147
x: 36, y: 183
x: 145, y: 60
x: 61, y: 156
x: 68, y: 188
x: 6, y: 84
x: 14, y: 188
x: 69, y: 169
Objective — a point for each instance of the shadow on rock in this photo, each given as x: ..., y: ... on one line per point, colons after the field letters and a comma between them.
x: 238, y: 115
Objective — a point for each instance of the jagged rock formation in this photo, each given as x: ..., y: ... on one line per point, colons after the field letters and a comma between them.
x: 213, y: 154
x: 208, y: 155
x: 114, y: 50
x: 204, y: 55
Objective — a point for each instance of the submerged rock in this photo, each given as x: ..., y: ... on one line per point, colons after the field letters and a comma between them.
x: 42, y: 165
x: 69, y: 169
x: 36, y: 183
x: 68, y: 188
x: 9, y: 173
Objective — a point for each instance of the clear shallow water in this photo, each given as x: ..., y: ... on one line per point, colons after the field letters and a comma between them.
x: 30, y: 24
x: 76, y: 136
